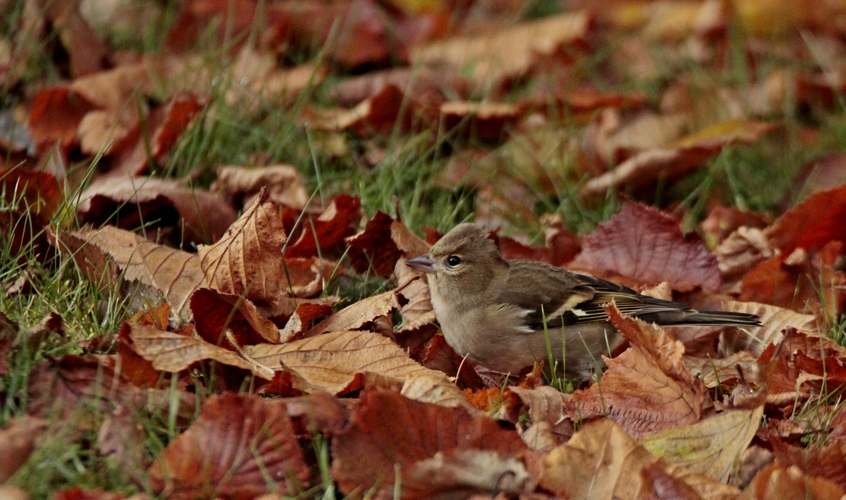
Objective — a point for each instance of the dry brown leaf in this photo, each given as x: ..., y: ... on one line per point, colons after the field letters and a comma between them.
x: 387, y: 429
x: 811, y: 224
x: 647, y: 245
x: 132, y: 154
x: 378, y: 113
x: 55, y: 115
x: 788, y: 481
x: 284, y: 183
x: 435, y: 389
x: 148, y: 272
x: 550, y: 425
x: 676, y: 158
x: 715, y: 372
x: 216, y: 313
x: 248, y: 260
x: 775, y: 321
x: 647, y: 388
x: 827, y: 461
x: 602, y: 461
x: 505, y: 52
x: 486, y: 121
x: 174, y: 352
x: 341, y: 362
x: 194, y: 214
x: 324, y: 236
x: 17, y: 440
x: 712, y: 446
x: 239, y: 447
x: 357, y: 315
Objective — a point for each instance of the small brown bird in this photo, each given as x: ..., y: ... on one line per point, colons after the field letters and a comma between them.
x: 495, y: 311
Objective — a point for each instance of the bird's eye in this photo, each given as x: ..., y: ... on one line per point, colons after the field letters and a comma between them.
x: 453, y: 260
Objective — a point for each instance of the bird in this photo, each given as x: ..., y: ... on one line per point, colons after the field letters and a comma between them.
x: 501, y: 313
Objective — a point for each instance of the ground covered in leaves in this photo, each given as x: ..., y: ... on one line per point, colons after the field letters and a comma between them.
x: 207, y: 206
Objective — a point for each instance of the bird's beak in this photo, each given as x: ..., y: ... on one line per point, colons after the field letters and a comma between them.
x: 422, y: 263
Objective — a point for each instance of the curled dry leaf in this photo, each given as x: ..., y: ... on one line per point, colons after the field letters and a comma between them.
x: 55, y: 115
x: 620, y: 246
x: 387, y: 429
x: 712, y: 446
x: 378, y: 113
x: 284, y: 183
x: 647, y: 388
x: 486, y: 121
x: 807, y: 365
x: 677, y: 158
x: 17, y: 440
x: 505, y: 52
x: 775, y: 321
x: 435, y: 389
x: 248, y: 260
x: 132, y: 154
x: 216, y: 313
x: 326, y: 233
x: 545, y: 405
x: 779, y: 480
x: 357, y: 315
x: 239, y: 447
x: 811, y: 224
x: 174, y: 352
x: 602, y: 461
x: 341, y: 362
x: 196, y: 215
x: 147, y: 272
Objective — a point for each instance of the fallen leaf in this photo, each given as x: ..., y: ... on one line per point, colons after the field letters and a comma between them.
x: 239, y: 447
x: 194, y: 215
x: 147, y: 271
x: 18, y: 438
x: 174, y: 352
x: 55, y: 115
x: 435, y: 389
x: 357, y: 315
x: 248, y: 260
x: 284, y: 183
x: 341, y: 362
x: 788, y: 481
x: 504, y: 53
x: 621, y: 246
x: 647, y: 388
x: 812, y: 223
x: 602, y: 461
x: 216, y: 313
x: 325, y: 235
x: 712, y: 446
x: 387, y: 429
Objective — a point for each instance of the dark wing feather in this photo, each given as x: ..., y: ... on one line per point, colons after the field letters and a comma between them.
x: 558, y: 297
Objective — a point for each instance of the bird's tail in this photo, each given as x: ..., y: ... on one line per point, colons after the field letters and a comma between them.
x: 709, y: 318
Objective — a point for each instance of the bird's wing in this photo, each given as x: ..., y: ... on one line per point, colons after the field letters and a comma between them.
x: 559, y: 297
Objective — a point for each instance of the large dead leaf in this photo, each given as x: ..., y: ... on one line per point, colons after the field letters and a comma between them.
x: 147, y: 272
x: 341, y: 362
x: 216, y: 313
x: 193, y: 214
x: 711, y: 447
x: 602, y: 461
x: 55, y: 116
x: 646, y: 389
x: 647, y: 245
x: 812, y: 223
x: 357, y: 315
x: 788, y: 481
x: 174, y: 352
x: 284, y: 183
x: 239, y: 447
x: 18, y: 440
x: 379, y: 113
x: 775, y: 321
x: 248, y: 260
x: 434, y: 447
x: 325, y: 235
x: 505, y: 53
x: 676, y: 159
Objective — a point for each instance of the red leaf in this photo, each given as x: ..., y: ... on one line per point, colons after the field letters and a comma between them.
x: 239, y: 447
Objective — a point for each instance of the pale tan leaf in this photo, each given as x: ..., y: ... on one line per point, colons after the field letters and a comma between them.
x: 202, y: 217
x: 775, y: 321
x: 714, y: 372
x: 357, y: 315
x: 602, y: 461
x: 780, y: 480
x: 284, y: 183
x: 435, y: 388
x: 505, y: 52
x: 173, y: 352
x: 248, y: 260
x: 340, y: 362
x: 712, y: 446
x: 147, y: 271
x: 479, y: 470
